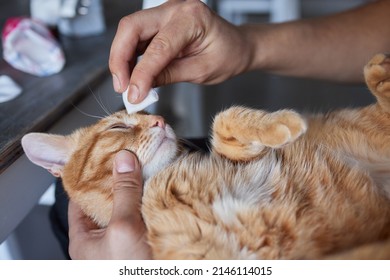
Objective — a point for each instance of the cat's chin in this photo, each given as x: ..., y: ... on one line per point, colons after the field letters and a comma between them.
x: 165, y: 154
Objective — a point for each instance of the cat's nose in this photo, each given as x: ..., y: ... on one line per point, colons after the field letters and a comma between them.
x: 157, y: 121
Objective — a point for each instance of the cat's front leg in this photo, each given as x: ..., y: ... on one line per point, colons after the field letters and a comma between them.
x: 242, y: 134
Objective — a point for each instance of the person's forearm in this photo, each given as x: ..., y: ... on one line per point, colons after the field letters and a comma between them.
x: 334, y: 47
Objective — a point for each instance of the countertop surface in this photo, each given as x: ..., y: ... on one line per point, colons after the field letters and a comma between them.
x: 45, y: 99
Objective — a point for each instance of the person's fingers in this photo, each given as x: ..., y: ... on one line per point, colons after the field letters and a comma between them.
x: 127, y: 189
x: 161, y: 34
x: 162, y: 50
x: 121, y: 54
x: 187, y: 69
x: 130, y: 37
x: 126, y: 220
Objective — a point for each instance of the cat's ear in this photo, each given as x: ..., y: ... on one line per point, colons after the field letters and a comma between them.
x: 47, y: 150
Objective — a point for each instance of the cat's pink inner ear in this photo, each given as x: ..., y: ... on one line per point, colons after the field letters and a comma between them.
x: 47, y: 150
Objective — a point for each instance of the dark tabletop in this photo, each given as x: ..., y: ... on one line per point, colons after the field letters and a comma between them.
x: 45, y: 99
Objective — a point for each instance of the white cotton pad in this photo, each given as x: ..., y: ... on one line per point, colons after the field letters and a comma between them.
x: 133, y: 108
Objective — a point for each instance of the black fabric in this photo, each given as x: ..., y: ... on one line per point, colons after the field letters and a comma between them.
x: 59, y: 217
x: 59, y: 211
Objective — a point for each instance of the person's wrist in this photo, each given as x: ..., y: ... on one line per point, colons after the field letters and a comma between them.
x: 248, y: 48
x: 257, y: 51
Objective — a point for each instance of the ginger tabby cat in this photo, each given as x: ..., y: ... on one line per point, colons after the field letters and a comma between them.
x: 275, y: 185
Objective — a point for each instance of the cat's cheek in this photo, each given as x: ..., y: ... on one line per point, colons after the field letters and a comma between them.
x: 151, y: 168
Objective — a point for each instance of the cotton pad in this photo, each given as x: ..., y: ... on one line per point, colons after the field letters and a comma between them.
x: 133, y: 108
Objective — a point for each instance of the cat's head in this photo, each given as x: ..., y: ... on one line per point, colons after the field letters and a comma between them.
x: 84, y: 159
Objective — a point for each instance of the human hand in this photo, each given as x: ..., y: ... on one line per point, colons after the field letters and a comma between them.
x: 180, y: 41
x: 125, y: 235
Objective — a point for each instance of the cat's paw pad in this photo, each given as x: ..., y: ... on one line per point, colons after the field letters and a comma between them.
x: 377, y: 73
x: 283, y: 127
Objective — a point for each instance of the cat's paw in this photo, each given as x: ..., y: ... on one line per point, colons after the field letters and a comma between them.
x: 242, y: 134
x: 281, y: 128
x: 377, y: 75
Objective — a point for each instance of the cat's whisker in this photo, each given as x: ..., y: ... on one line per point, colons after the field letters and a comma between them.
x: 100, y: 102
x: 104, y: 107
x: 86, y: 114
x: 107, y: 106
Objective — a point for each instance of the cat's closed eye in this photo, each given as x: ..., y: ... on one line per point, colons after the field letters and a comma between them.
x: 120, y: 126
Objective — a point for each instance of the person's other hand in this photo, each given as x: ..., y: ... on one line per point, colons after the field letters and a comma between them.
x: 180, y: 41
x: 125, y: 235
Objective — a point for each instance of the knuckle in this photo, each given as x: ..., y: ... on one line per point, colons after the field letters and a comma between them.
x: 164, y: 78
x: 193, y: 7
x: 142, y: 72
x: 132, y: 184
x: 125, y: 23
x: 160, y: 44
x: 118, y: 227
x: 197, y: 10
x: 125, y: 227
x: 112, y: 64
x: 197, y: 16
x: 126, y: 184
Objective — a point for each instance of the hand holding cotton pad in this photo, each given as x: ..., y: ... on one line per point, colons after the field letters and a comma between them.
x: 133, y: 108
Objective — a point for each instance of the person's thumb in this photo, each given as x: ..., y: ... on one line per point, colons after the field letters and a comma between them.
x: 127, y: 189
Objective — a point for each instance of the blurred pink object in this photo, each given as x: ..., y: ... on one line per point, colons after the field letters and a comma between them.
x: 29, y: 46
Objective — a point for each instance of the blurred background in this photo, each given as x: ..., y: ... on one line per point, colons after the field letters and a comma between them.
x: 190, y: 108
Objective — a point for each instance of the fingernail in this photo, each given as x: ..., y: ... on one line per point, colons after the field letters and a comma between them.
x: 116, y: 83
x: 124, y: 162
x: 133, y: 93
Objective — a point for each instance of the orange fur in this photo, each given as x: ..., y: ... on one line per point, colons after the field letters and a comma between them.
x: 275, y: 186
